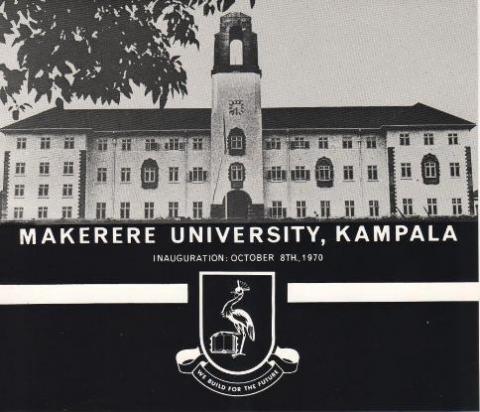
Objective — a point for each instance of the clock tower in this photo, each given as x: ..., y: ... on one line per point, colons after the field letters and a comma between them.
x: 236, y: 127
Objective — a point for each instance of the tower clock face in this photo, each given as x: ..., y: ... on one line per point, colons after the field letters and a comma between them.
x: 236, y: 107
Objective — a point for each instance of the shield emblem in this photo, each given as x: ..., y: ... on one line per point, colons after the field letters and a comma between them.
x: 237, y: 319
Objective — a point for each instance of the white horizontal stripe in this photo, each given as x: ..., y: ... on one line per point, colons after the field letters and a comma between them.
x: 91, y: 294
x: 383, y: 292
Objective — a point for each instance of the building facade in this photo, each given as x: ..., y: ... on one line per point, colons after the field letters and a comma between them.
x: 238, y: 160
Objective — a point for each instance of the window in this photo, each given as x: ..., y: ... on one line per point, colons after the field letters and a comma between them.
x: 67, y: 212
x: 149, y: 173
x: 124, y: 210
x: 197, y: 210
x: 125, y: 174
x: 348, y: 173
x: 372, y: 172
x: 457, y: 206
x: 197, y: 174
x: 20, y: 169
x: 276, y: 174
x: 452, y: 138
x: 277, y: 211
x: 273, y: 143
x: 101, y: 210
x: 300, y: 173
x: 19, y: 190
x: 18, y: 212
x: 371, y: 142
x: 347, y: 142
x: 67, y: 190
x: 430, y: 170
x: 324, y: 172
x: 404, y: 139
x: 173, y: 174
x: 44, y: 143
x: 349, y: 208
x: 42, y: 212
x: 43, y: 191
x: 236, y: 174
x: 407, y: 207
x: 44, y: 168
x: 21, y: 143
x: 198, y: 143
x: 172, y: 210
x: 68, y: 168
x: 455, y: 169
x: 236, y: 142
x: 236, y: 53
x: 149, y: 210
x: 102, y: 174
x: 323, y: 142
x: 374, y: 208
x: 325, y: 208
x: 299, y: 143
x: 428, y: 139
x: 126, y: 145
x: 69, y: 143
x: 432, y: 207
x: 102, y: 144
x: 151, y: 144
x: 406, y: 170
x: 301, y: 208
x: 174, y: 144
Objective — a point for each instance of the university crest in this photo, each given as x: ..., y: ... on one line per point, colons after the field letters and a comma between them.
x: 237, y: 353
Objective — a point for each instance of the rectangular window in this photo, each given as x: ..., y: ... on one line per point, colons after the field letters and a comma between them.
x: 124, y: 210
x: 277, y: 211
x: 348, y: 173
x: 174, y: 144
x: 149, y: 175
x: 125, y: 173
x: 197, y: 143
x: 457, y: 206
x: 44, y: 143
x: 69, y: 143
x: 372, y: 172
x: 67, y: 212
x: 173, y: 174
x: 273, y: 143
x: 371, y: 142
x: 430, y: 170
x: 299, y: 143
x: 18, y: 213
x: 102, y: 144
x: 150, y: 145
x: 21, y: 143
x: 44, y: 169
x: 172, y: 210
x: 68, y: 168
x: 43, y: 191
x: 102, y: 174
x: 19, y: 190
x: 406, y: 170
x: 276, y: 174
x: 374, y: 208
x: 20, y: 169
x: 323, y: 142
x: 300, y: 173
x: 404, y: 139
x: 301, y: 208
x: 149, y: 210
x: 428, y: 139
x: 126, y: 145
x: 325, y: 208
x: 198, y: 175
x: 42, y: 212
x: 455, y: 169
x: 347, y: 142
x: 101, y: 210
x: 432, y: 207
x: 452, y: 138
x: 349, y: 208
x: 67, y: 190
x: 407, y: 207
x: 197, y: 210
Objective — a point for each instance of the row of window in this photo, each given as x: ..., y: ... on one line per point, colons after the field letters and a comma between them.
x: 323, y: 173
x: 44, y: 191
x: 44, y: 168
x: 45, y: 143
x: 42, y: 212
x: 150, y: 175
x: 151, y: 144
x: 430, y: 169
x: 428, y: 139
x: 275, y: 143
x: 149, y: 210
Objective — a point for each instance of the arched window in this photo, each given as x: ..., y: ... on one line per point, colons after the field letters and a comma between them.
x: 236, y: 142
x: 430, y: 170
x: 324, y: 172
x: 149, y: 174
x: 236, y: 53
x: 236, y: 175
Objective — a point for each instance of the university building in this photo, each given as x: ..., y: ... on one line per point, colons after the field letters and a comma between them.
x: 238, y: 160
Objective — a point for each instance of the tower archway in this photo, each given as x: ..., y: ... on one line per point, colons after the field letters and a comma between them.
x: 237, y: 205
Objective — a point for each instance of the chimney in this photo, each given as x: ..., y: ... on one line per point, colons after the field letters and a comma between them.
x: 59, y: 103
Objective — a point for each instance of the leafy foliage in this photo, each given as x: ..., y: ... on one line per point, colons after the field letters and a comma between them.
x: 98, y: 48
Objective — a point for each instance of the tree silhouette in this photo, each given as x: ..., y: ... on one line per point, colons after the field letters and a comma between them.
x: 98, y: 49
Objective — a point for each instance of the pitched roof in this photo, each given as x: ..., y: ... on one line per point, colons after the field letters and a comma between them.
x: 357, y: 117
